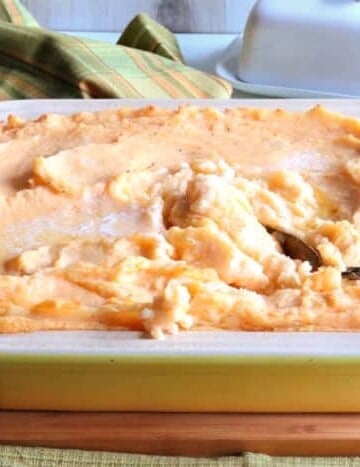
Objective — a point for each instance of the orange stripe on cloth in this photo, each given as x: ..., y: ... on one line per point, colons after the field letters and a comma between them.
x: 139, y: 60
x: 14, y: 12
x: 23, y: 86
x: 119, y: 79
x: 179, y: 78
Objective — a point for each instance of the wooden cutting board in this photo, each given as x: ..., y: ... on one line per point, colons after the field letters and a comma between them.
x: 186, y: 434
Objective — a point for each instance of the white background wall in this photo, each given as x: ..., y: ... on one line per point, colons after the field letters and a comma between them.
x: 211, y: 16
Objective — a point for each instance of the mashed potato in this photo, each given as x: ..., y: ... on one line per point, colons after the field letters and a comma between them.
x: 153, y: 220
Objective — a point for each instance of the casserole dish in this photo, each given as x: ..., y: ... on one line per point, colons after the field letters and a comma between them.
x: 193, y: 372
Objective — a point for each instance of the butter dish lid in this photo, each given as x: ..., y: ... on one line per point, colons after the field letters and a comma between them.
x: 307, y: 45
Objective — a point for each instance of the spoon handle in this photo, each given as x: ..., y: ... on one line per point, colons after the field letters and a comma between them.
x: 352, y: 273
x: 296, y: 248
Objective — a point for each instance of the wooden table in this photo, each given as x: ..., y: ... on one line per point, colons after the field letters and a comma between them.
x: 186, y: 434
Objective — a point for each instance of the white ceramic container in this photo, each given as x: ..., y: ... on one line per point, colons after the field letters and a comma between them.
x: 307, y: 44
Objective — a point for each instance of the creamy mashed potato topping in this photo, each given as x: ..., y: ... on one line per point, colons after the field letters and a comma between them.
x: 153, y: 220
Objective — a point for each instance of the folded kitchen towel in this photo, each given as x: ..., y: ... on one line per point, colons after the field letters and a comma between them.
x: 146, y: 62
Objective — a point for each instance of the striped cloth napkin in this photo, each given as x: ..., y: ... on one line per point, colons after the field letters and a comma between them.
x: 145, y: 62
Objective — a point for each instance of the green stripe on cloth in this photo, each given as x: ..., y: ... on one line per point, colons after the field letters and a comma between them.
x: 146, y: 62
x: 14, y: 456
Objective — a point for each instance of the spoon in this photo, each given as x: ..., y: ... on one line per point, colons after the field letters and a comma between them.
x: 352, y: 273
x: 296, y: 248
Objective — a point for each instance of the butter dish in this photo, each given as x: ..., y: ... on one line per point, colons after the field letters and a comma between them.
x: 297, y: 49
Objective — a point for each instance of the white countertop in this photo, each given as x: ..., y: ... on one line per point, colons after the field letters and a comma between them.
x: 200, y: 51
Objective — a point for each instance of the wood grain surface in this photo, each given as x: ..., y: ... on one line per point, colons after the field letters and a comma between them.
x: 211, y: 16
x: 186, y: 434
